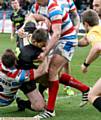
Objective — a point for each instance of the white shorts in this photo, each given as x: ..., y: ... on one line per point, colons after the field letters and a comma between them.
x: 64, y: 48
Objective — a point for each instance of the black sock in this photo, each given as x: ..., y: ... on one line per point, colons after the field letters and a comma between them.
x: 28, y: 105
x: 22, y: 104
x: 97, y: 103
x: 42, y: 89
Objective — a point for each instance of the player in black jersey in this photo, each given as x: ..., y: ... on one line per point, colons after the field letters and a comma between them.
x: 17, y: 18
x: 27, y: 59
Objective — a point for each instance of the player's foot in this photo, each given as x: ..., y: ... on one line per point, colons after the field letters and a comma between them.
x: 46, y: 114
x: 20, y: 104
x: 84, y: 99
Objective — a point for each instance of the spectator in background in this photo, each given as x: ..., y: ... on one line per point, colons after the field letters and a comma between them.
x: 97, y: 7
x: 6, y: 4
x: 26, y: 4
x: 17, y: 18
x: 78, y: 4
x: 1, y: 3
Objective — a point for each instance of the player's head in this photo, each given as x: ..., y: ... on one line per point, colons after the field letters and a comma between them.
x: 8, y: 58
x: 40, y: 37
x: 97, y: 6
x: 15, y: 4
x: 30, y: 27
x: 90, y: 18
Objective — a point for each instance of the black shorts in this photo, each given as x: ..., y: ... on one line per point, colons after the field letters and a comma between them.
x: 27, y: 87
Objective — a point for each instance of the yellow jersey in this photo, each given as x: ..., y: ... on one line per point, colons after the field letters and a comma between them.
x: 94, y: 35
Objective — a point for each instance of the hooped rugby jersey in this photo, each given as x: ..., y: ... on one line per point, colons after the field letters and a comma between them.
x: 57, y: 15
x: 10, y: 81
x: 68, y: 5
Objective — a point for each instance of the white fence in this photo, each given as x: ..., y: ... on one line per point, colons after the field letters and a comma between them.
x: 5, y: 22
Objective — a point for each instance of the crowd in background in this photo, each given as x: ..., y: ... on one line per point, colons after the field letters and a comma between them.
x: 26, y: 4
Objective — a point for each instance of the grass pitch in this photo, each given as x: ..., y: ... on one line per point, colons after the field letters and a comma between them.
x: 67, y: 108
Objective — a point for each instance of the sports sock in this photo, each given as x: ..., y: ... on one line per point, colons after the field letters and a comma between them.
x: 97, y: 104
x: 22, y: 104
x: 53, y: 90
x: 68, y: 80
x: 42, y: 89
x: 28, y: 105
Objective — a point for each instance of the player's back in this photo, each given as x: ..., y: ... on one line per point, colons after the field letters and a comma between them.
x: 28, y: 56
x: 8, y: 86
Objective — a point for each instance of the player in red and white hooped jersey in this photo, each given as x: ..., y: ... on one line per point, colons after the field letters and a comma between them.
x: 12, y: 78
x: 63, y: 40
x: 10, y: 81
x: 68, y: 5
x: 68, y: 30
x: 8, y: 86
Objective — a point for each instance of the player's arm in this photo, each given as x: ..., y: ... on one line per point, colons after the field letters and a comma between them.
x: 92, y: 56
x: 94, y: 53
x: 42, y: 69
x: 83, y: 42
x: 37, y: 17
x: 56, y: 28
x: 13, y: 27
x: 56, y: 22
x: 13, y: 31
x: 74, y: 15
x: 76, y: 19
x: 32, y: 74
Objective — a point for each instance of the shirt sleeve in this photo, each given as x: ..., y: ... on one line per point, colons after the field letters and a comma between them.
x: 55, y: 13
x: 92, y: 38
x: 72, y: 6
x: 25, y: 75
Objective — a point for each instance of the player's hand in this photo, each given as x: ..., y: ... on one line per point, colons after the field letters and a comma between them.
x: 84, y: 68
x: 48, y: 23
x: 21, y: 33
x: 41, y: 56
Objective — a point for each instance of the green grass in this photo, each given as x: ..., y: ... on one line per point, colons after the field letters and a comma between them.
x: 5, y: 42
x: 66, y: 108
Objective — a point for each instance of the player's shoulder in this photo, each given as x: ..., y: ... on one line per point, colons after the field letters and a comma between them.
x: 96, y: 29
x: 22, y: 11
